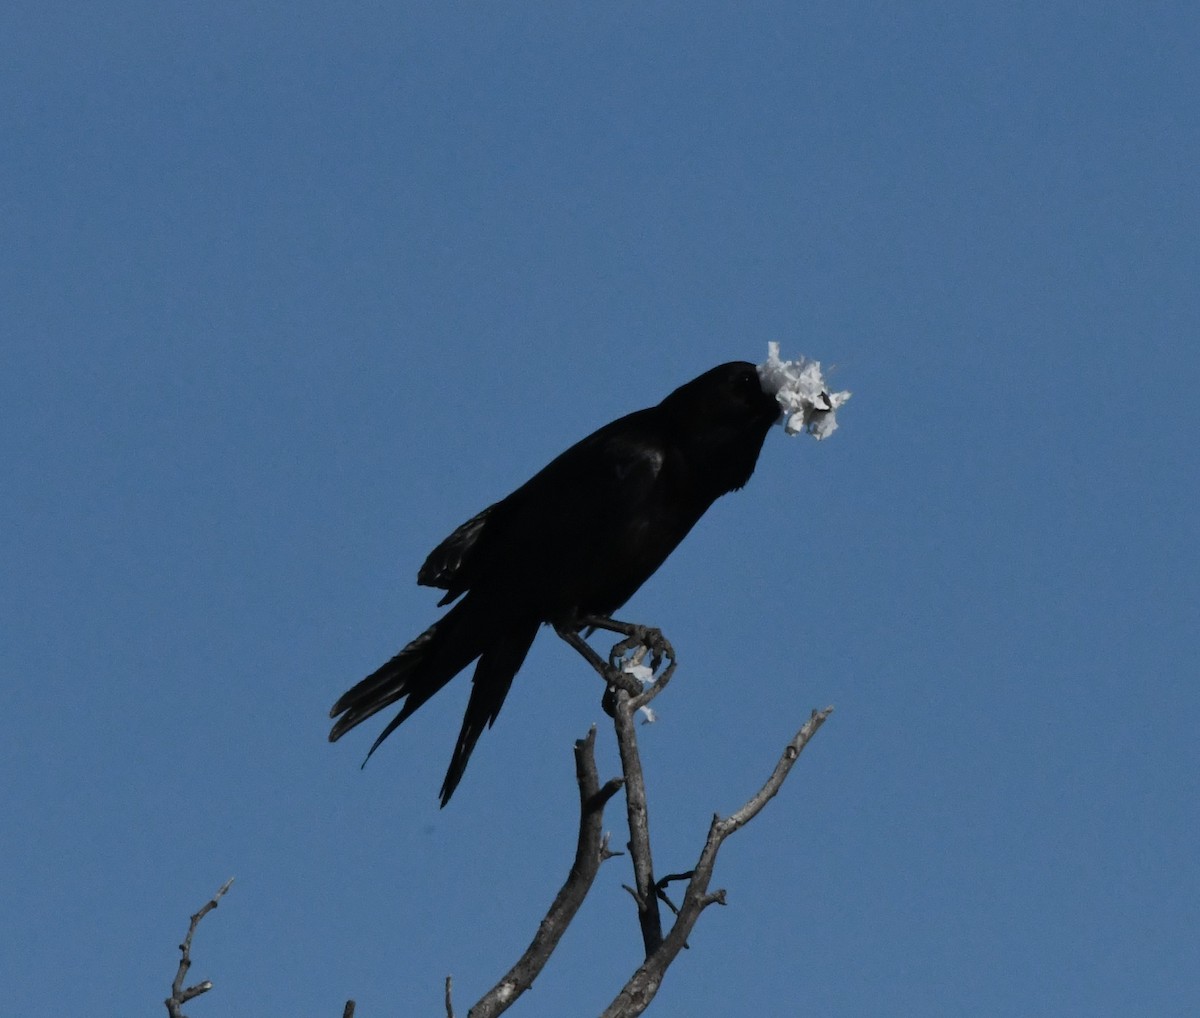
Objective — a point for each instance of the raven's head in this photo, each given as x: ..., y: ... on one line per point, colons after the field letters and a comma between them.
x: 722, y: 418
x: 729, y: 395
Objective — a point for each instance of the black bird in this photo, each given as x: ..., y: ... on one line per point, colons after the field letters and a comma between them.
x: 575, y: 540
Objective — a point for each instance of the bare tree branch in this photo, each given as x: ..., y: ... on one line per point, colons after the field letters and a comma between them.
x: 791, y: 753
x: 591, y: 850
x: 624, y: 695
x: 638, y: 817
x: 622, y: 705
x: 180, y: 995
x: 637, y: 994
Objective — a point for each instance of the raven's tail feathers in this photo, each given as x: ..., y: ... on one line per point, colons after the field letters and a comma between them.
x: 429, y: 662
x: 413, y: 675
x: 489, y: 686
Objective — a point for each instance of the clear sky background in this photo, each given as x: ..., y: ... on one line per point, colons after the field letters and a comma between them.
x: 291, y: 290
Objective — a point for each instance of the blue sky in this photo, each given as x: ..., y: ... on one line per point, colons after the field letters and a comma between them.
x: 292, y: 290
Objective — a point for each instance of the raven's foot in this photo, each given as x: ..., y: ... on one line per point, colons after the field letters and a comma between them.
x: 636, y: 637
x: 620, y: 672
x: 614, y: 674
x: 640, y: 641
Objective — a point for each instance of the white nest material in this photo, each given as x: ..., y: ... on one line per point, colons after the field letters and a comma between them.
x: 802, y: 393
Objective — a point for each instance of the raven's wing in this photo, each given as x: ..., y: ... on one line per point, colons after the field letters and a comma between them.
x: 577, y: 501
x: 449, y: 564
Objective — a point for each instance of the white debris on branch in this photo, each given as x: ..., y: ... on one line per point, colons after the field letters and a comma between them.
x: 802, y: 393
x: 639, y: 671
x: 645, y: 675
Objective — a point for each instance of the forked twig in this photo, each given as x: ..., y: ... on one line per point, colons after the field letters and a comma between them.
x: 179, y: 994
x: 637, y: 994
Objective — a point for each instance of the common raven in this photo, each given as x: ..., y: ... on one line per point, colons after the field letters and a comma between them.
x: 576, y: 540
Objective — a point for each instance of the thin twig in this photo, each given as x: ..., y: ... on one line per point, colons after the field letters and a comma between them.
x: 180, y: 995
x: 791, y: 752
x: 590, y: 851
